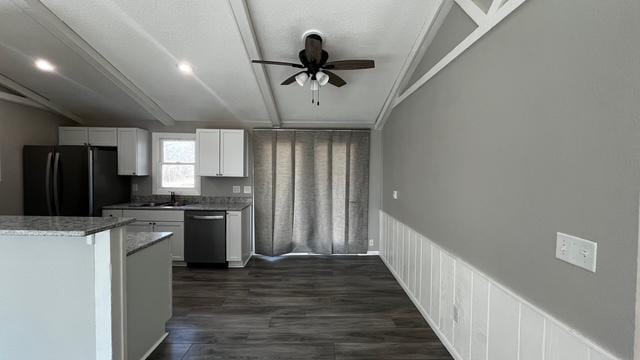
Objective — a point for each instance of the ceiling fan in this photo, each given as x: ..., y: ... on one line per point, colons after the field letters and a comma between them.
x: 316, y: 68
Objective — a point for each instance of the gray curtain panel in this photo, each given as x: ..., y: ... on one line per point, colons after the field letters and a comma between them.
x: 311, y: 191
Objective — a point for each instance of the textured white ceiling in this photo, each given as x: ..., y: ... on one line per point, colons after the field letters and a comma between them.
x: 76, y: 85
x: 382, y: 30
x: 143, y: 40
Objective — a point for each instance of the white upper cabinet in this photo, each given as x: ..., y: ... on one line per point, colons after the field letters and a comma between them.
x: 99, y: 136
x: 232, y: 153
x: 71, y: 135
x: 208, y: 152
x: 221, y: 152
x: 133, y: 152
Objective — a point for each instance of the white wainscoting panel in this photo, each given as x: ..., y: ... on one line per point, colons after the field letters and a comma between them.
x: 531, y: 334
x: 480, y: 317
x: 504, y: 314
x: 475, y: 317
x: 462, y: 307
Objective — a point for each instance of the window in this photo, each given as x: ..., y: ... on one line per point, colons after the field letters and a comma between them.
x: 174, y: 164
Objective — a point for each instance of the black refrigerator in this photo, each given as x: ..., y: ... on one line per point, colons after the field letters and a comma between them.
x: 72, y: 180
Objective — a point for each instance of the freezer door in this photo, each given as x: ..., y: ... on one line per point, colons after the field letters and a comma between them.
x: 37, y: 163
x: 108, y: 187
x: 71, y: 181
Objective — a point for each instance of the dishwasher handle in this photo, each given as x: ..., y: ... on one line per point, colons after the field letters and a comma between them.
x: 207, y: 217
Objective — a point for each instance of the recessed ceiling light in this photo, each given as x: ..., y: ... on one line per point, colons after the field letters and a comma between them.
x: 185, y: 68
x: 44, y: 65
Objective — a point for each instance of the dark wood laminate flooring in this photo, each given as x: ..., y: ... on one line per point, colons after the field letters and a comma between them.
x: 312, y: 307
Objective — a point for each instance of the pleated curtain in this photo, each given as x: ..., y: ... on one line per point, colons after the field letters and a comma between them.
x: 311, y: 191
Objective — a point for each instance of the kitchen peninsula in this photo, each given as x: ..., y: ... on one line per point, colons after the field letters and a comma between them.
x: 64, y: 287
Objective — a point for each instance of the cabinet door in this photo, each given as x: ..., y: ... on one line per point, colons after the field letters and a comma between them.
x: 111, y: 213
x: 232, y: 153
x: 103, y: 136
x: 177, y: 240
x: 127, y: 153
x: 140, y: 226
x: 68, y: 135
x: 234, y: 236
x: 208, y: 151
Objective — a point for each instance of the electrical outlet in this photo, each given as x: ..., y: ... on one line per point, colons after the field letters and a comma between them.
x: 134, y: 187
x: 395, y: 194
x: 576, y: 251
x: 370, y: 242
x: 247, y: 189
x: 236, y: 189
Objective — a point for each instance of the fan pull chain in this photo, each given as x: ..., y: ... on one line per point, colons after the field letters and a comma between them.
x: 318, y: 99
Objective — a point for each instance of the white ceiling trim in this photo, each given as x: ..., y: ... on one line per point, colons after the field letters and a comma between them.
x: 45, y: 17
x: 321, y: 124
x: 475, y: 13
x: 426, y: 35
x: 490, y: 21
x: 245, y: 26
x: 20, y: 100
x: 39, y: 99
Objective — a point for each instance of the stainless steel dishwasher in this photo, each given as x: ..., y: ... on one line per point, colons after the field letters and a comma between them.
x: 205, y: 237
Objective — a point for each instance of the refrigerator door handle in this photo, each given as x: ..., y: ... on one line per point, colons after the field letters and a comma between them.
x: 56, y: 167
x: 47, y: 183
x: 91, y: 182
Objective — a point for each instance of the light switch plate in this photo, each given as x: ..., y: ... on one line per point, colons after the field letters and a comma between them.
x: 134, y: 187
x: 236, y: 189
x: 576, y: 251
x: 395, y: 194
x: 247, y: 189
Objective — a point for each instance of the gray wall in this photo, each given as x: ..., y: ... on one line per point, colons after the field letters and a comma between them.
x: 534, y: 130
x: 21, y: 125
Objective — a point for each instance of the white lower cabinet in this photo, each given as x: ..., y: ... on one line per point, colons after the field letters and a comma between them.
x: 177, y: 240
x: 239, y: 237
x: 156, y: 221
x: 239, y: 230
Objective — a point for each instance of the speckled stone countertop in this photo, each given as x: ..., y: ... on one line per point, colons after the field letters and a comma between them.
x: 58, y: 225
x: 137, y: 241
x: 201, y: 206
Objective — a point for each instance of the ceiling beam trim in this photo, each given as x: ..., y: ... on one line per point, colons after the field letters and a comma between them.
x: 20, y: 100
x: 245, y: 26
x: 425, y: 37
x: 492, y: 20
x: 50, y: 21
x: 475, y: 13
x: 36, y: 98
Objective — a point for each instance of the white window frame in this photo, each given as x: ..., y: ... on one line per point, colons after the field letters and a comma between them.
x: 156, y: 175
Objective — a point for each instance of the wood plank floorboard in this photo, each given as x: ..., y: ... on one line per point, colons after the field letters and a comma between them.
x: 302, y: 307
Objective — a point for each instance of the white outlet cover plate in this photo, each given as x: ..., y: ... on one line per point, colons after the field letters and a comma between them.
x: 247, y: 189
x: 576, y: 251
x: 395, y: 194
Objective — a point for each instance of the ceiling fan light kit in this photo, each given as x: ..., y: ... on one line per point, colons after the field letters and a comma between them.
x: 315, y: 66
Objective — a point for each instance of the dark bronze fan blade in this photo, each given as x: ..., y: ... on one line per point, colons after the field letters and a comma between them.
x: 291, y: 79
x: 334, y: 79
x: 350, y: 65
x: 313, y: 48
x: 267, y: 62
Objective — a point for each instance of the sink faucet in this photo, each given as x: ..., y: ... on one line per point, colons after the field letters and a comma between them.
x: 173, y: 197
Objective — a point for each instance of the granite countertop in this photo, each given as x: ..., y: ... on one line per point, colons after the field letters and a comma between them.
x: 137, y: 241
x: 201, y: 206
x: 58, y: 225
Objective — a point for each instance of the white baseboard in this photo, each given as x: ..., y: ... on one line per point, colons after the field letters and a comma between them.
x: 475, y: 317
x: 154, y: 346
